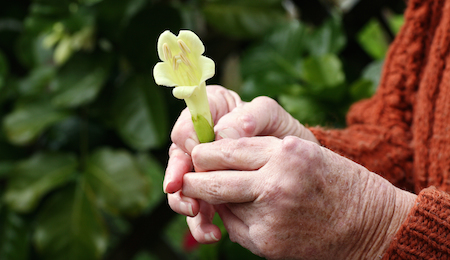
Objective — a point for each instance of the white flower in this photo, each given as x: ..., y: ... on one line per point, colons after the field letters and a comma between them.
x: 184, y: 67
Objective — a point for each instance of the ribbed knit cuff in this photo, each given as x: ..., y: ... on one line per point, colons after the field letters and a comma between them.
x: 426, y: 232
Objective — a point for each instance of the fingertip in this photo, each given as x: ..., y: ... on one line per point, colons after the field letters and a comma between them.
x: 212, y: 237
x: 187, y: 207
x: 179, y: 164
x: 171, y: 187
x: 206, y: 233
x: 165, y: 183
x: 183, y: 205
x: 189, y: 144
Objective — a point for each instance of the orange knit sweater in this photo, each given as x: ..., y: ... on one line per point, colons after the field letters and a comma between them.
x: 403, y: 131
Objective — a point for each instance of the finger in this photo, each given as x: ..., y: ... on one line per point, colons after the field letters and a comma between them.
x: 179, y: 164
x: 183, y: 133
x: 221, y: 186
x: 261, y: 116
x: 221, y: 102
x: 242, y: 154
x: 237, y: 230
x: 201, y: 225
x: 183, y: 205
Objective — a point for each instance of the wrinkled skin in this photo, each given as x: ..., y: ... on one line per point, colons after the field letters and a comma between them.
x: 279, y: 193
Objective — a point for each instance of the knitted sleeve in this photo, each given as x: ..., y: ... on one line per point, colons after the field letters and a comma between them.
x: 379, y: 132
x: 426, y: 232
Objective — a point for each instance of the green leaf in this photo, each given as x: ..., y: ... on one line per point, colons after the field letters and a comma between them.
x: 69, y: 226
x: 367, y: 85
x: 175, y: 233
x: 27, y: 122
x: 74, y: 133
x: 90, y: 2
x: 271, y: 67
x: 262, y: 59
x: 50, y: 8
x: 117, y: 182
x: 372, y: 39
x: 80, y: 80
x: 372, y: 72
x: 272, y: 85
x: 36, y: 81
x: 328, y: 38
x: 14, y: 235
x: 289, y: 40
x: 305, y: 109
x: 139, y: 113
x: 35, y: 177
x: 243, y: 19
x: 5, y: 168
x: 8, y: 91
x: 396, y: 22
x: 154, y: 173
x: 323, y: 72
x: 8, y: 152
x: 29, y: 49
x: 145, y: 256
x: 361, y: 88
x: 280, y: 52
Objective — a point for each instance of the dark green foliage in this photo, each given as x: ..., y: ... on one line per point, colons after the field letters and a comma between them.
x: 84, y: 129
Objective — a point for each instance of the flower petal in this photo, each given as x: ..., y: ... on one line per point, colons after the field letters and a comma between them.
x: 163, y: 74
x: 171, y: 40
x: 192, y: 41
x: 207, y: 67
x: 183, y: 92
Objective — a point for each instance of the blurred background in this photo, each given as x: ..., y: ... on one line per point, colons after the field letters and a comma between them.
x: 84, y: 130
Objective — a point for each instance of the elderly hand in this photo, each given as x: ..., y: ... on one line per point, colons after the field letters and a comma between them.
x: 292, y: 199
x: 233, y: 118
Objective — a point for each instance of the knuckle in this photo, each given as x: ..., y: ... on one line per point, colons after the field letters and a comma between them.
x: 214, y: 190
x: 248, y: 123
x: 292, y: 145
x: 215, y: 89
x: 273, y: 113
x: 172, y: 149
x: 217, y: 92
x: 301, y: 150
x: 230, y: 146
x: 227, y: 149
x: 267, y: 101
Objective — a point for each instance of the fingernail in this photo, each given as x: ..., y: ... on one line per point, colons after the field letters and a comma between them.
x: 214, y: 237
x: 229, y: 133
x: 211, y: 237
x: 165, y: 183
x: 189, y: 144
x: 187, y: 207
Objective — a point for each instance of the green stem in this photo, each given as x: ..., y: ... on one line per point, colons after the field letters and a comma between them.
x: 201, y: 115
